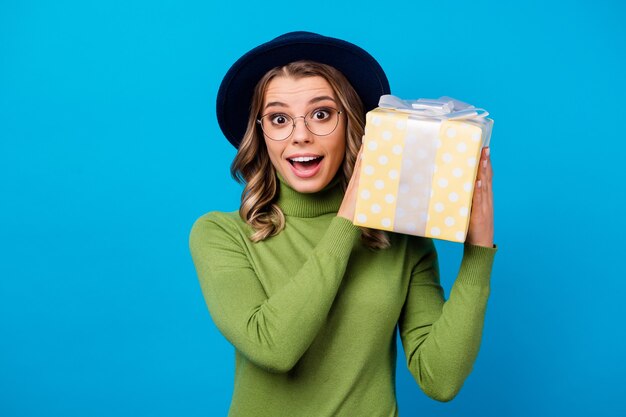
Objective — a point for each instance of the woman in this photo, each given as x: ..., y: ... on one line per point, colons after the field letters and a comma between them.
x: 309, y: 301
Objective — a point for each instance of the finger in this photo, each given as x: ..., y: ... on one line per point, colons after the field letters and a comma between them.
x: 354, y: 180
x: 489, y: 178
x: 477, y: 200
x: 485, y: 171
x: 490, y: 181
x: 487, y: 168
x: 481, y: 165
x: 359, y: 160
x: 359, y: 156
x: 484, y: 161
x: 486, y: 184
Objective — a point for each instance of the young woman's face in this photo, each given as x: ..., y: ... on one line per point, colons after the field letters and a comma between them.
x: 306, y: 161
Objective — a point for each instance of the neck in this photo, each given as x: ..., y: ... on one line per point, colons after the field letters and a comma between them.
x: 297, y: 204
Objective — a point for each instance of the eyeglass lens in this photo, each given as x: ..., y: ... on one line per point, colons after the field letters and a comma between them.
x: 320, y: 122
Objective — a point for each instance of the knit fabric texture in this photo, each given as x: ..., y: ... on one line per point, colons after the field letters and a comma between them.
x: 312, y: 313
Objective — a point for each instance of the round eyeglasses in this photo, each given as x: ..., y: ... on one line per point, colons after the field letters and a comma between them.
x: 320, y: 122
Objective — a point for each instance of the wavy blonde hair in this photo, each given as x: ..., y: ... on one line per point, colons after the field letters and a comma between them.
x: 253, y: 168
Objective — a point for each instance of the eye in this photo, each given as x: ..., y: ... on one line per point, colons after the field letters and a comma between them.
x: 279, y: 119
x: 320, y: 114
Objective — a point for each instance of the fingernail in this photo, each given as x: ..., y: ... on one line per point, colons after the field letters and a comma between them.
x: 485, y: 163
x: 479, y: 184
x: 487, y: 152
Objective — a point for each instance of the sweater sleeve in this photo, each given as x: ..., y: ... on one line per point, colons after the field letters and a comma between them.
x: 273, y: 332
x: 441, y: 338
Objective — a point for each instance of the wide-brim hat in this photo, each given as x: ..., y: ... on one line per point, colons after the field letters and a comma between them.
x: 235, y: 93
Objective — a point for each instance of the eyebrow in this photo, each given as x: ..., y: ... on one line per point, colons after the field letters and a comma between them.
x: 312, y: 101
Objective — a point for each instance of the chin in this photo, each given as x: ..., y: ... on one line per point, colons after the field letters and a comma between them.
x: 307, y: 186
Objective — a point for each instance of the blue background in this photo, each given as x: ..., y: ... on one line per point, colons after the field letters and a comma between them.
x: 109, y: 150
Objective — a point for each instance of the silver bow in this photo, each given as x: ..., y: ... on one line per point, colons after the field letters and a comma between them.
x: 441, y: 108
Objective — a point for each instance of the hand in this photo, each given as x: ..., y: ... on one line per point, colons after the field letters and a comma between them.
x: 348, y: 204
x: 480, y: 231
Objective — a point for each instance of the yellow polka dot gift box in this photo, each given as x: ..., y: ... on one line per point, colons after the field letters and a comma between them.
x: 420, y: 160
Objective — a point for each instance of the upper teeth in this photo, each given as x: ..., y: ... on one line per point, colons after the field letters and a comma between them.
x: 304, y: 158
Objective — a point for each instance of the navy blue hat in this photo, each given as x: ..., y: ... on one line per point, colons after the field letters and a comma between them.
x: 235, y: 94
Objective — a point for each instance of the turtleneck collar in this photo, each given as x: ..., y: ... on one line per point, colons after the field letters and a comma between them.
x: 294, y: 203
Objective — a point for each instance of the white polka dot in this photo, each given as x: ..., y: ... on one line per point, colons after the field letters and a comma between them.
x: 379, y: 184
x: 418, y: 178
x: 387, y: 135
x: 372, y: 145
x: 386, y: 222
x: 383, y: 160
x: 421, y: 154
x: 461, y: 147
x: 375, y: 208
x: 400, y: 124
x: 442, y: 182
x: 471, y: 161
x: 435, y: 231
x: 451, y: 132
x: 457, y: 172
x: 376, y: 121
x: 411, y: 227
x: 467, y: 187
x: 438, y: 143
x: 415, y: 202
x: 369, y: 170
x: 449, y: 221
x: 389, y: 198
x: 361, y: 218
x: 447, y: 158
x: 460, y: 236
x: 439, y: 207
x: 404, y: 188
x: 393, y: 174
x: 365, y: 194
x: 453, y: 197
x: 400, y: 212
x: 476, y: 136
x: 424, y: 217
x: 397, y: 149
x: 463, y: 211
x: 408, y: 163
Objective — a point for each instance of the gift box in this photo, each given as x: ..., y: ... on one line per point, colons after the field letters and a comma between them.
x: 418, y: 171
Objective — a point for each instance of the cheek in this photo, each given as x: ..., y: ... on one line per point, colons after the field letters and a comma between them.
x: 339, y: 152
x: 273, y: 151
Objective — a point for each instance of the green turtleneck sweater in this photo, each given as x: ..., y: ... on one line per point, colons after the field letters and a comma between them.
x: 312, y: 313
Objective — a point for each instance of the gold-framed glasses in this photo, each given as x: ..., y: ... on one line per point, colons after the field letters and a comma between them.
x: 279, y: 126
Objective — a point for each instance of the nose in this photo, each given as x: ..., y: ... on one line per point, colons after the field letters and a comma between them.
x: 300, y: 132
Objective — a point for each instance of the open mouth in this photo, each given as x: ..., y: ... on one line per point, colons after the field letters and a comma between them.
x: 305, y: 163
x: 305, y: 166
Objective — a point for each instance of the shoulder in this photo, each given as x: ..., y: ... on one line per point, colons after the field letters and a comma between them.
x: 218, y: 217
x: 218, y: 224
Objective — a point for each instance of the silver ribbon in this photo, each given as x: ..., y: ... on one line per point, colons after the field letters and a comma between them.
x: 441, y: 108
